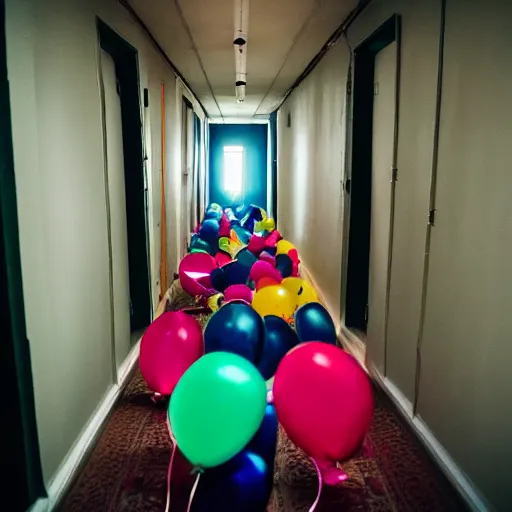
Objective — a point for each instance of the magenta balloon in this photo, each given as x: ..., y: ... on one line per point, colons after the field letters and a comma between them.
x: 194, y: 272
x: 168, y: 348
x: 238, y: 292
x: 264, y: 269
x: 323, y: 400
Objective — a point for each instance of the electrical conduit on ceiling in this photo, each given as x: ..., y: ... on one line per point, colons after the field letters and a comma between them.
x: 240, y: 42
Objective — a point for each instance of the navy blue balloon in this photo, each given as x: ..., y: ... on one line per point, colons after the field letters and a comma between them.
x: 271, y: 250
x: 209, y: 231
x: 313, y: 323
x: 236, y: 273
x: 264, y: 442
x: 242, y: 484
x: 279, y: 339
x: 238, y: 329
x: 218, y: 279
x: 284, y: 265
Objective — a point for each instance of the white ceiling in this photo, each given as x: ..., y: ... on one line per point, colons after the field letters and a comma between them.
x: 283, y: 37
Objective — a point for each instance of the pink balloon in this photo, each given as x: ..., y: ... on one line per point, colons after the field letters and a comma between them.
x: 224, y: 226
x: 238, y: 292
x: 265, y: 256
x: 194, y: 272
x: 168, y: 348
x: 256, y: 244
x: 264, y: 269
x: 324, y: 401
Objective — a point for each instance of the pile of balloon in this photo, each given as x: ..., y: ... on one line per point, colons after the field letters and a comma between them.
x: 267, y: 356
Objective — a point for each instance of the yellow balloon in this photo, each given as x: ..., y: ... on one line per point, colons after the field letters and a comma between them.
x: 274, y: 300
x: 284, y: 247
x: 301, y: 290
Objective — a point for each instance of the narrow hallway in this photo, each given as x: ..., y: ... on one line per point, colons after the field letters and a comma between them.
x: 269, y: 239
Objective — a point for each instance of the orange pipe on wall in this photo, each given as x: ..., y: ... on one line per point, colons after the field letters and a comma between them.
x: 163, y: 223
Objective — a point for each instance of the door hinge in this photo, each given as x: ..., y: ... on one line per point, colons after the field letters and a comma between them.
x: 131, y: 308
x: 146, y: 98
x: 349, y: 86
x: 348, y: 183
x: 366, y: 312
x: 376, y: 89
x: 394, y: 174
x: 431, y: 217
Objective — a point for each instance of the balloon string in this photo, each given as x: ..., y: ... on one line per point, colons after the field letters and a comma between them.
x: 320, y: 485
x: 192, y: 493
x: 171, y: 462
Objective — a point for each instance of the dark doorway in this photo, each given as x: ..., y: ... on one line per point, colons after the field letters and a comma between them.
x: 273, y: 163
x: 197, y: 170
x: 21, y: 467
x: 359, y: 185
x: 127, y: 74
x: 238, y: 164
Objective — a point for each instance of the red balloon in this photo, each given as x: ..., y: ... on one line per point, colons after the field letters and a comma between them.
x: 324, y: 401
x: 265, y: 281
x: 194, y: 272
x: 168, y: 348
x: 222, y: 258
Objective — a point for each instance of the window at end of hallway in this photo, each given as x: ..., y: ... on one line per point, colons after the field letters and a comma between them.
x: 233, y: 169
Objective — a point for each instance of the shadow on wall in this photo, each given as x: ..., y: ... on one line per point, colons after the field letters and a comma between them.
x: 238, y: 164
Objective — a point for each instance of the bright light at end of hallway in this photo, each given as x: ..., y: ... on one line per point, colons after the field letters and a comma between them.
x: 233, y: 169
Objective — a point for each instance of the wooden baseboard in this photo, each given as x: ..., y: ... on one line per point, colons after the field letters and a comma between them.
x: 462, y: 483
x: 71, y: 465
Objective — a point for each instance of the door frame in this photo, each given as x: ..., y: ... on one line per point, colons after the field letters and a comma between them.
x: 125, y: 57
x: 21, y: 455
x: 187, y: 170
x: 355, y: 273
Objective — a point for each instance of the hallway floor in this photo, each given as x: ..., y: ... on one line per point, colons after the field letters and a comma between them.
x: 127, y: 470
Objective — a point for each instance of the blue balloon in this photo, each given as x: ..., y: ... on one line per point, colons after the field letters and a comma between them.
x: 284, y: 265
x: 279, y: 339
x: 264, y: 442
x: 242, y: 484
x: 242, y: 233
x: 238, y: 329
x: 209, y: 231
x: 214, y: 211
x: 313, y: 323
x: 232, y: 218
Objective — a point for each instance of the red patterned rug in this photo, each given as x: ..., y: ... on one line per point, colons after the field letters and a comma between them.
x: 127, y: 470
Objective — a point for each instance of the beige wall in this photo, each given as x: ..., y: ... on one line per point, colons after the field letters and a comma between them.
x: 53, y: 59
x: 465, y: 353
x: 310, y: 171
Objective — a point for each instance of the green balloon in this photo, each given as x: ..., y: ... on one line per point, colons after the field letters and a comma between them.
x: 216, y: 408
